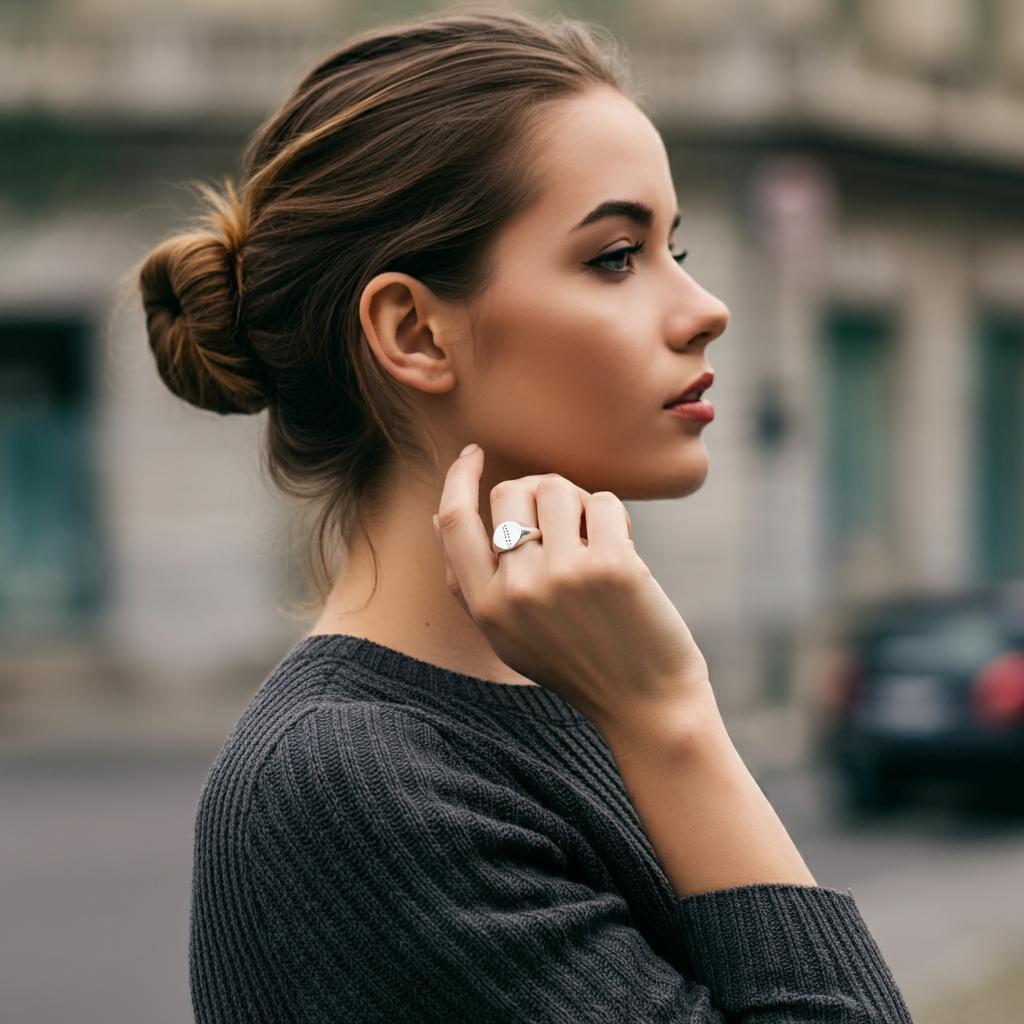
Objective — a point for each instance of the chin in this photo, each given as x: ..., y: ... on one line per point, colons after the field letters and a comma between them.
x: 693, y: 480
x: 666, y: 485
x: 659, y: 478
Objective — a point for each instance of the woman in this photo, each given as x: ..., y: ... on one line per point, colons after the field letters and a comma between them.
x: 491, y: 783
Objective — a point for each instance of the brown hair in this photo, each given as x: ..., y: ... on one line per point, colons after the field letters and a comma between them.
x: 401, y: 150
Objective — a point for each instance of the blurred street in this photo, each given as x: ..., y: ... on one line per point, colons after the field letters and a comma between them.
x: 96, y: 854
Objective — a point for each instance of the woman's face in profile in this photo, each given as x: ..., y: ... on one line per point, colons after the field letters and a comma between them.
x: 584, y: 342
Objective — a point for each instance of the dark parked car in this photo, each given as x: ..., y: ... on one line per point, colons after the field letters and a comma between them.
x: 928, y: 687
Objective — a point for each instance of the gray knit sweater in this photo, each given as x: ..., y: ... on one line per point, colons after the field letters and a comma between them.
x: 382, y: 839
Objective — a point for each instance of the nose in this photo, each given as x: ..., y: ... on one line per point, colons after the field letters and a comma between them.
x: 703, y: 318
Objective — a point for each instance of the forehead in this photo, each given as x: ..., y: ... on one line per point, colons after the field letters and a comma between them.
x: 597, y: 146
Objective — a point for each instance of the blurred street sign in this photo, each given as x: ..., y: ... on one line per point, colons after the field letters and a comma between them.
x: 795, y: 206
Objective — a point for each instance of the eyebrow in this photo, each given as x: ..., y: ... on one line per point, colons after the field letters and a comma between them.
x: 638, y: 212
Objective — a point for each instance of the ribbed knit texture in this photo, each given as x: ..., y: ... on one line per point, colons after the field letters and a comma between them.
x: 383, y: 839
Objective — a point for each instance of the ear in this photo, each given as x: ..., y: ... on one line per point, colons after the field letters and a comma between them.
x: 407, y: 328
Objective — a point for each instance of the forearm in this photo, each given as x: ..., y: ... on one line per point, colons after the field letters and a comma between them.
x: 706, y: 817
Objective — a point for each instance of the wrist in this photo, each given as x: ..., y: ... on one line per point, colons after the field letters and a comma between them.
x: 669, y: 730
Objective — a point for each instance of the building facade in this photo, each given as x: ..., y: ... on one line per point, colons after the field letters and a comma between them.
x: 851, y: 179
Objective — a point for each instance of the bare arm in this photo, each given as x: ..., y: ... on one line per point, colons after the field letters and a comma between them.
x: 706, y: 817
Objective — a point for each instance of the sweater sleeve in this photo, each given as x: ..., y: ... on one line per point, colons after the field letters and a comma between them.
x: 390, y: 880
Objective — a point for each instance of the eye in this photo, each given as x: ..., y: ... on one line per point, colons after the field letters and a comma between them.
x: 618, y: 254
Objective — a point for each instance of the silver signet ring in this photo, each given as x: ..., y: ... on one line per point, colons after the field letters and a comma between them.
x: 510, y: 534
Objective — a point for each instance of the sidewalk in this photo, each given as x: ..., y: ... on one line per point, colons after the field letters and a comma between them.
x: 952, y: 929
x: 150, y: 730
x: 998, y: 996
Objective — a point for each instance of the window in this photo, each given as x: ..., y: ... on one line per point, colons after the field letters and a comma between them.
x: 858, y: 471
x: 999, y: 461
x: 50, y: 555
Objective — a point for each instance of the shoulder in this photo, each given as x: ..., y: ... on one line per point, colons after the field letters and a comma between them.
x: 343, y: 745
x: 369, y: 775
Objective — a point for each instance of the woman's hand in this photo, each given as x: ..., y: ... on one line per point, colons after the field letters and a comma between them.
x: 580, y: 614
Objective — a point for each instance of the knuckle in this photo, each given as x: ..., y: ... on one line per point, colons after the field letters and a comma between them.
x: 564, y: 575
x: 501, y: 488
x: 551, y: 482
x: 606, y: 572
x: 519, y: 591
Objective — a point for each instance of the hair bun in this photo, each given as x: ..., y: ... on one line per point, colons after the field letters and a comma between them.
x: 191, y: 296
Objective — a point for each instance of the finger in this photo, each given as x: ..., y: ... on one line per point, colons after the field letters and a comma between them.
x: 607, y: 522
x: 451, y: 582
x: 516, y: 500
x: 449, y: 573
x: 462, y: 530
x: 535, y: 478
x: 560, y: 507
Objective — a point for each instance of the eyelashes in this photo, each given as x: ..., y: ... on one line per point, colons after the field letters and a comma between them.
x: 603, y: 260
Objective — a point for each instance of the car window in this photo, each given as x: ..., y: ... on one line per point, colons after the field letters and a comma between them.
x: 950, y: 642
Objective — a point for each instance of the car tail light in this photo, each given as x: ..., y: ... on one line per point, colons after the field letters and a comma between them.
x: 844, y: 684
x: 997, y: 691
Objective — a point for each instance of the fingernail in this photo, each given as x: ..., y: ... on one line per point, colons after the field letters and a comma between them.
x: 433, y: 519
x: 468, y: 450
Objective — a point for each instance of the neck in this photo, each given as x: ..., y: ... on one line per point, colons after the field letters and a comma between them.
x: 411, y: 609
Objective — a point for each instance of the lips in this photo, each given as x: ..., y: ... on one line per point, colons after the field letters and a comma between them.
x: 693, y: 391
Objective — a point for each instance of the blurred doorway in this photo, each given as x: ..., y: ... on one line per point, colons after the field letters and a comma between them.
x: 999, y: 463
x: 50, y: 552
x: 858, y: 470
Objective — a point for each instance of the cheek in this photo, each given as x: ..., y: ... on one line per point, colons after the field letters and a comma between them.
x: 571, y: 355
x: 569, y: 351
x: 605, y: 366
x: 573, y: 336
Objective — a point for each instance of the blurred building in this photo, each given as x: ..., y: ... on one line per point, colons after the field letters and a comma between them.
x: 851, y: 179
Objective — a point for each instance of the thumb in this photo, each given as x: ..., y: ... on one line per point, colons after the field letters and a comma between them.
x: 450, y: 578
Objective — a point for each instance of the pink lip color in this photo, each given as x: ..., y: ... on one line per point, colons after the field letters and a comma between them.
x: 703, y: 411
